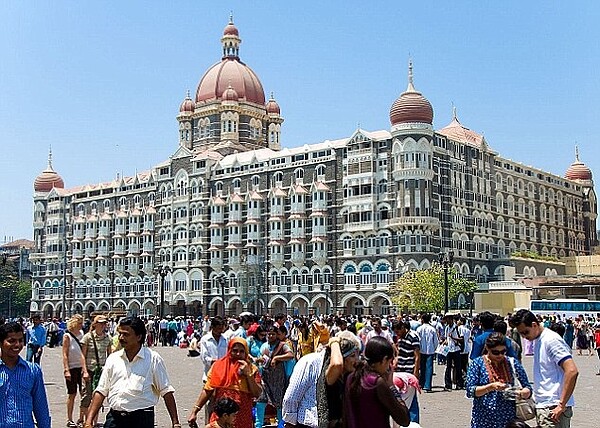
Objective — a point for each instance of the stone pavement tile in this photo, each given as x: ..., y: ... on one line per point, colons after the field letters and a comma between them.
x: 438, y: 409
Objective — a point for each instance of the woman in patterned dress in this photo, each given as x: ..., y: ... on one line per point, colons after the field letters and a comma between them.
x: 232, y: 376
x: 488, y: 376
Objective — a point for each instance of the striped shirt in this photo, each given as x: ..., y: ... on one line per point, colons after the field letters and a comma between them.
x: 406, y: 352
x: 23, y: 396
x: 300, y: 400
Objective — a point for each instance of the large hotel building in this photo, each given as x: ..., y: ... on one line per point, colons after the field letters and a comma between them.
x: 232, y: 221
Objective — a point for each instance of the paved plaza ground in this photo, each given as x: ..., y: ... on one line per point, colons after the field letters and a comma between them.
x: 438, y: 409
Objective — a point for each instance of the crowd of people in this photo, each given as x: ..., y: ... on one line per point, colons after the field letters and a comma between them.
x: 318, y: 372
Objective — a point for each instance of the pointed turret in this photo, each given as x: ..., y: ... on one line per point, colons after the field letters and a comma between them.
x: 48, y: 179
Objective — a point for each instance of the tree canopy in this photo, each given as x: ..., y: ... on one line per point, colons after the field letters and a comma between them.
x: 15, y: 294
x: 423, y: 290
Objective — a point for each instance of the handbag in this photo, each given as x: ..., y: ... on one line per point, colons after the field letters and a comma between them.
x: 525, y: 406
x: 442, y: 349
x: 98, y: 370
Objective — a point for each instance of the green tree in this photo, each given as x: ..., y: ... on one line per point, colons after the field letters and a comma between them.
x: 15, y: 294
x: 423, y: 290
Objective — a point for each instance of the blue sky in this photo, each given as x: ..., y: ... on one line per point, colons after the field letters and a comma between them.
x: 101, y: 82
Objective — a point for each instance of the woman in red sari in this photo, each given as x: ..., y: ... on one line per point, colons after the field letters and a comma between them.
x: 232, y: 376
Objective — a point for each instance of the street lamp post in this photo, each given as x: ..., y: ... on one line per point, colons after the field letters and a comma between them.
x: 221, y: 279
x: 162, y: 271
x: 327, y: 289
x: 446, y: 260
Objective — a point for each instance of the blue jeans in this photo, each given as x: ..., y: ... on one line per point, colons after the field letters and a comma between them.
x: 413, y: 410
x: 32, y: 354
x: 426, y: 371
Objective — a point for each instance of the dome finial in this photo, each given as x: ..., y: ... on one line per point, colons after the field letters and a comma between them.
x: 272, y: 96
x: 411, y: 86
x: 454, y: 116
x: 576, y: 153
x: 50, y: 158
x: 187, y: 95
x: 231, y: 16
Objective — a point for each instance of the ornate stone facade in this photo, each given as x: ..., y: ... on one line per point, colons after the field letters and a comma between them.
x: 243, y: 223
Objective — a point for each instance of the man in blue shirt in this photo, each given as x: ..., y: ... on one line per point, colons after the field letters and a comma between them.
x: 487, y: 320
x: 36, y: 339
x: 21, y: 384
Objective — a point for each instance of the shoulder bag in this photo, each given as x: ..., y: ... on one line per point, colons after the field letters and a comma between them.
x: 525, y: 406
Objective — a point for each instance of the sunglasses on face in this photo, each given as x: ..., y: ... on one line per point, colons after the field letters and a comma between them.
x: 498, y: 351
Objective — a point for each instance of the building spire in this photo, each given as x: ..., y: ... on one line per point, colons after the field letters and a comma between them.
x: 50, y: 158
x: 411, y: 87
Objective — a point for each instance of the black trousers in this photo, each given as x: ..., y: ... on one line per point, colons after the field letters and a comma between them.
x: 453, y: 370
x: 143, y: 418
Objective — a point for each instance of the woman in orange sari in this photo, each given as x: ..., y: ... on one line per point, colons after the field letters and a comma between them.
x: 232, y: 376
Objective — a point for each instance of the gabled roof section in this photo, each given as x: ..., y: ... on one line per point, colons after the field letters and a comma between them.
x: 182, y: 152
x: 320, y: 186
x: 457, y: 132
x: 236, y: 198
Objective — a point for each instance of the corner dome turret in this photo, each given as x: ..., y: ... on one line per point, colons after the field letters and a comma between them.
x: 48, y: 178
x: 411, y: 106
x: 578, y: 170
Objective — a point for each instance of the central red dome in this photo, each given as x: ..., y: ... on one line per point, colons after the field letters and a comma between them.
x: 232, y: 72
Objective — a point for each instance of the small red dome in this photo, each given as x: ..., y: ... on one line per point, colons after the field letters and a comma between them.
x: 578, y: 171
x: 230, y: 94
x: 187, y: 106
x: 48, y: 179
x: 272, y: 106
x: 231, y: 30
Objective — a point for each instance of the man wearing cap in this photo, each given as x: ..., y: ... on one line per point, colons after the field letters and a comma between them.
x: 234, y: 324
x: 95, y: 347
x: 133, y: 380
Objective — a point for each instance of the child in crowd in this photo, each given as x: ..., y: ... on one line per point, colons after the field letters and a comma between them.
x: 226, y: 410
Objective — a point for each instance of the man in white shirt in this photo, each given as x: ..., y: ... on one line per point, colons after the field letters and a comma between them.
x: 133, y: 380
x: 213, y: 345
x: 554, y: 371
x: 378, y: 331
x: 453, y: 372
x: 429, y: 342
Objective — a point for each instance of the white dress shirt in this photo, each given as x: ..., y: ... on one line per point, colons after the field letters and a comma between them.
x: 134, y: 385
x: 211, y: 351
